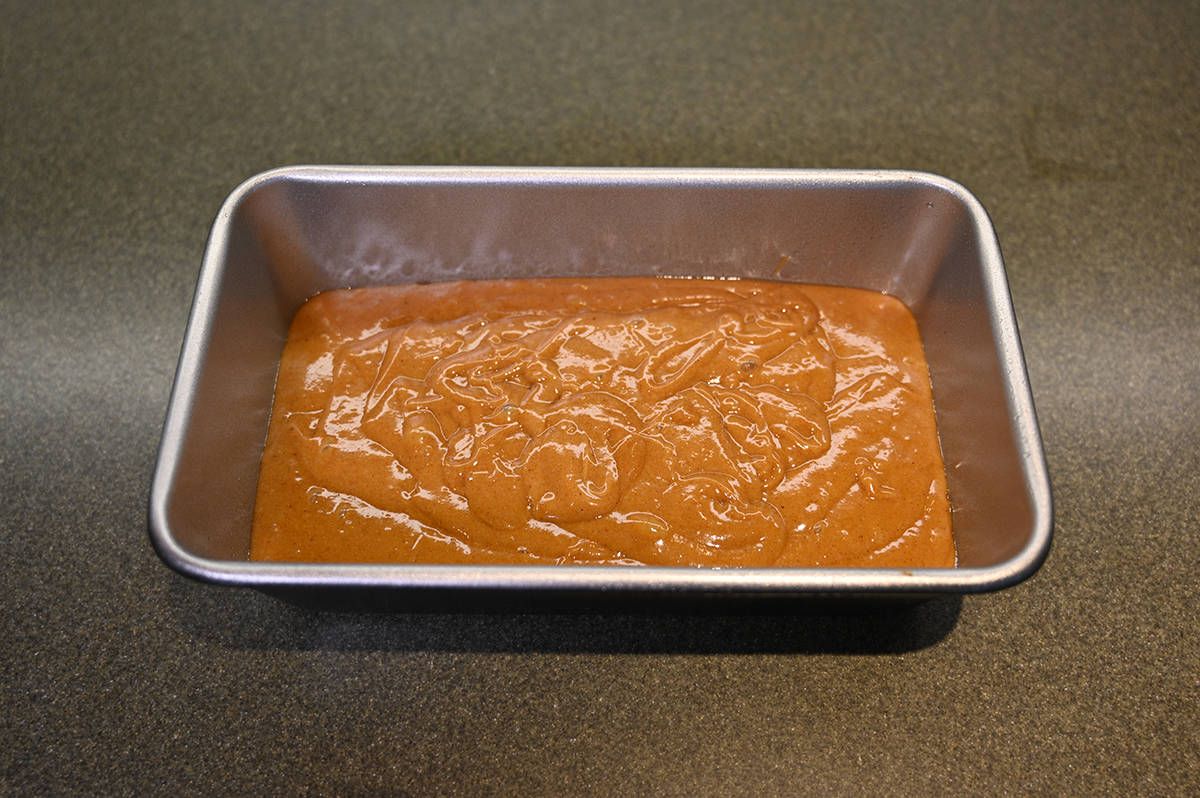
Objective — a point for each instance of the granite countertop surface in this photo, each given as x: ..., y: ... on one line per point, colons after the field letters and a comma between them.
x: 123, y: 126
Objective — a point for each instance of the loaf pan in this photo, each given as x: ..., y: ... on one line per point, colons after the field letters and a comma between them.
x: 287, y: 234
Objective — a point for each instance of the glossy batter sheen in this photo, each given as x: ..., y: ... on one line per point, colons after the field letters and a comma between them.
x: 614, y: 421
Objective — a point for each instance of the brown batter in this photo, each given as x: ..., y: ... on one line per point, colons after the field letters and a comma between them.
x: 616, y: 421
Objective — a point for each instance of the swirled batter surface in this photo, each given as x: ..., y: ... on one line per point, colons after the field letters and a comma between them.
x: 604, y: 421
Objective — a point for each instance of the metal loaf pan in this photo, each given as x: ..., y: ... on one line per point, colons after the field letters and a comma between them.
x: 288, y: 234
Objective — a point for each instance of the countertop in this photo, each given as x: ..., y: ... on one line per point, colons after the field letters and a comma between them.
x: 122, y: 128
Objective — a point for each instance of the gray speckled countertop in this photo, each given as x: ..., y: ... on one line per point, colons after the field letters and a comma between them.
x: 124, y: 125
